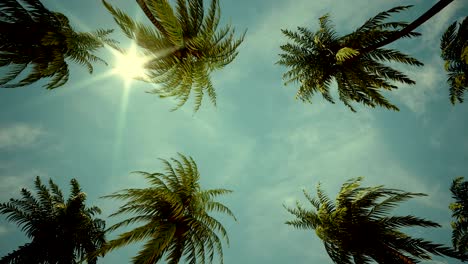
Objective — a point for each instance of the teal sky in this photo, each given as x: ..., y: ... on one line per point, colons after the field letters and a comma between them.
x: 259, y: 141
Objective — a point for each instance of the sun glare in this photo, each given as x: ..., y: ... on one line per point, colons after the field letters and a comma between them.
x: 129, y: 65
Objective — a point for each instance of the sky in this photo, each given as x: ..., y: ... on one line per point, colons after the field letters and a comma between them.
x: 258, y: 141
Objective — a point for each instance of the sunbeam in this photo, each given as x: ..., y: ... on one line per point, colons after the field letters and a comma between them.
x: 129, y: 64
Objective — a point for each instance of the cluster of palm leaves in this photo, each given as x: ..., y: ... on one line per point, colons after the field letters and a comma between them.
x: 357, y: 229
x: 174, y: 216
x: 174, y: 211
x: 454, y: 46
x: 36, y: 42
x: 459, y: 209
x: 317, y: 58
x: 176, y: 225
x: 185, y: 46
x: 61, y: 231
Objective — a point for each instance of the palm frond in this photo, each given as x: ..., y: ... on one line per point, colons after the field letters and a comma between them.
x: 316, y: 59
x: 454, y: 45
x: 60, y: 232
x: 51, y: 42
x: 359, y: 230
x: 459, y: 208
x: 174, y: 215
x: 186, y: 46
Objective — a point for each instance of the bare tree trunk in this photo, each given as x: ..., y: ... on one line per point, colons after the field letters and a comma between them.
x: 418, y: 22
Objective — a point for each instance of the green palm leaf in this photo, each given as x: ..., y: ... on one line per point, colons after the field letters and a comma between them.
x: 185, y: 47
x: 44, y: 51
x: 356, y: 227
x: 459, y: 207
x: 60, y: 231
x: 173, y: 212
x: 454, y: 46
x: 316, y: 59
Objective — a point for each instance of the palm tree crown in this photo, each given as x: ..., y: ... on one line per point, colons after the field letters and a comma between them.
x: 454, y: 46
x: 62, y: 231
x: 36, y: 39
x: 174, y: 213
x: 185, y: 46
x: 459, y: 209
x: 317, y: 58
x: 357, y: 228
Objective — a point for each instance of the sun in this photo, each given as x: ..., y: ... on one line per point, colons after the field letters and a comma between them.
x: 130, y: 64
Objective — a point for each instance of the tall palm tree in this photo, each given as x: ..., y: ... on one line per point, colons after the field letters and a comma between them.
x: 174, y: 216
x: 185, y: 46
x: 454, y: 46
x: 36, y: 40
x: 459, y: 209
x: 62, y: 231
x: 355, y: 61
x: 357, y: 228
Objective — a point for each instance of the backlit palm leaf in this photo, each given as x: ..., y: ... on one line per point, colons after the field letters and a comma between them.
x: 454, y: 46
x: 37, y: 42
x: 356, y: 228
x: 459, y: 209
x: 173, y: 213
x: 316, y: 59
x: 185, y: 46
x: 61, y: 232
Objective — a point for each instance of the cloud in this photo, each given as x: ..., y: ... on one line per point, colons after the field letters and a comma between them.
x: 3, y: 230
x: 429, y: 80
x: 10, y: 185
x: 19, y: 135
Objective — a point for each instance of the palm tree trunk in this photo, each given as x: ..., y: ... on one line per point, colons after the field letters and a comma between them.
x: 150, y: 16
x: 418, y: 22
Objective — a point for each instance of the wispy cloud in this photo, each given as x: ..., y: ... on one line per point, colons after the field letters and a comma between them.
x: 3, y: 230
x: 19, y: 135
x: 10, y: 185
x: 429, y: 83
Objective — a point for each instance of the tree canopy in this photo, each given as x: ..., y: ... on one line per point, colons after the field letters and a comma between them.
x: 173, y: 211
x: 61, y: 231
x: 459, y: 207
x: 316, y: 59
x: 357, y: 227
x: 37, y: 42
x: 184, y: 44
x: 454, y: 46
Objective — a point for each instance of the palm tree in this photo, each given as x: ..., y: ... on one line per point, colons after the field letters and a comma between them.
x: 459, y: 209
x: 355, y: 61
x: 185, y: 46
x: 454, y: 46
x: 174, y: 216
x: 62, y: 231
x: 357, y: 228
x: 33, y: 37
